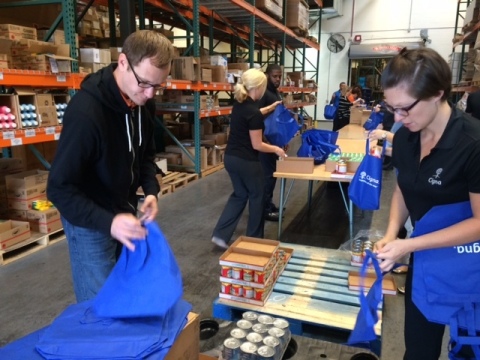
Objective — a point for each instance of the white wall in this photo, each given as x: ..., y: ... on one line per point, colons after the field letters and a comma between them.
x: 379, y: 21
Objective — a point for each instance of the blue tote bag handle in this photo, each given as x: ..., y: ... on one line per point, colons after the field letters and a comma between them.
x: 364, y: 331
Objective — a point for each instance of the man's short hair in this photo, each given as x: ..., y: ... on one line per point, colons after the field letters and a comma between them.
x: 272, y: 67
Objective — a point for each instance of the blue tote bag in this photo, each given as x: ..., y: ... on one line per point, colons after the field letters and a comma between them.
x: 366, y: 186
x: 146, y: 282
x: 329, y: 112
x: 375, y: 119
x: 280, y: 126
x: 446, y: 285
x: 364, y: 331
x: 78, y: 333
x: 318, y: 144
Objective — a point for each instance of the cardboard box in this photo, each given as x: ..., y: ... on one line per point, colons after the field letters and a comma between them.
x: 295, y: 165
x: 298, y: 11
x: 27, y: 179
x: 219, y: 138
x: 58, y: 36
x: 388, y: 283
x: 114, y: 53
x: 45, y: 221
x: 239, y: 66
x: 22, y: 198
x: 11, y: 165
x: 187, y: 344
x: 250, y: 253
x: 206, y: 74
x: 359, y: 115
x: 16, y: 32
x: 203, y: 157
x: 270, y: 7
x: 172, y: 158
x: 100, y: 56
x: 13, y: 232
x: 186, y: 68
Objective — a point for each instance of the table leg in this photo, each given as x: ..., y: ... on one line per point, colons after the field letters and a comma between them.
x: 280, y: 212
x: 310, y: 190
x: 350, y: 217
x: 349, y: 208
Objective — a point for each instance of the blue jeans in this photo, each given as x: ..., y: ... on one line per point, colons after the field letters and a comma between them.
x: 92, y: 257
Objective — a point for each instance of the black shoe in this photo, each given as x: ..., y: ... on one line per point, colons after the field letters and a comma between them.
x: 272, y: 216
x: 274, y: 208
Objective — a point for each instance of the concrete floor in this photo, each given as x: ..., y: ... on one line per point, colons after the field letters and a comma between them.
x: 35, y: 289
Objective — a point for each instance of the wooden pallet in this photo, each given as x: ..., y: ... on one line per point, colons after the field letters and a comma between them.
x: 177, y: 180
x: 212, y: 169
x: 36, y: 242
x: 312, y: 294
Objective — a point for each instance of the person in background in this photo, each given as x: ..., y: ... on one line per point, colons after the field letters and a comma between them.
x: 354, y: 93
x: 342, y: 117
x: 242, y: 161
x: 267, y: 105
x: 435, y: 140
x: 473, y: 104
x: 105, y: 153
x: 335, y: 100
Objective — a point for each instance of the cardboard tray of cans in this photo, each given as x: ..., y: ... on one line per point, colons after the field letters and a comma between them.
x: 241, y: 283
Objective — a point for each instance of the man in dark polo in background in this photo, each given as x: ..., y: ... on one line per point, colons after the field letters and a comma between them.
x: 267, y: 104
x: 473, y: 104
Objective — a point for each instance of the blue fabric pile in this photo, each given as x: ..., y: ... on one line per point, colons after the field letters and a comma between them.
x: 137, y: 314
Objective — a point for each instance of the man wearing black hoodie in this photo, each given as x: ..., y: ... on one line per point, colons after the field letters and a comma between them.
x: 105, y: 152
x: 267, y: 104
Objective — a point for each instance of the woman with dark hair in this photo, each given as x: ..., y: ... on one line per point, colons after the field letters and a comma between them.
x: 437, y: 155
x: 342, y: 118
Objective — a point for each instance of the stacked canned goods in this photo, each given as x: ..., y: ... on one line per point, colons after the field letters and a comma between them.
x: 259, y: 337
x: 359, y: 248
x: 249, y: 291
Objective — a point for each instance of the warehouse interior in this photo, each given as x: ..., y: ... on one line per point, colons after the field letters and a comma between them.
x: 191, y: 134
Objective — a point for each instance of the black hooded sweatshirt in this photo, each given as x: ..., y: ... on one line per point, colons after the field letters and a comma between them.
x: 105, y: 152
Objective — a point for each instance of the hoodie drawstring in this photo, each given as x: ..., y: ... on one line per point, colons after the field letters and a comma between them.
x: 128, y: 134
x: 140, y: 125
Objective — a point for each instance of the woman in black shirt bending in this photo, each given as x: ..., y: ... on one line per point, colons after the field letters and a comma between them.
x: 241, y: 160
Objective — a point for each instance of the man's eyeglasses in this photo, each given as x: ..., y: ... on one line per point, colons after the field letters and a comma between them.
x: 143, y: 84
x: 401, y: 111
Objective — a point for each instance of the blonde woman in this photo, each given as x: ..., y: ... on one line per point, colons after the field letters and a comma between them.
x: 242, y: 162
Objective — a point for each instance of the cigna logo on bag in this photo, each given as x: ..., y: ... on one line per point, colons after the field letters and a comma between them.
x: 367, y: 179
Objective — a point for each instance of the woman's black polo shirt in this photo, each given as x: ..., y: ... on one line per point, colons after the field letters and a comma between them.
x: 245, y: 117
x: 447, y: 174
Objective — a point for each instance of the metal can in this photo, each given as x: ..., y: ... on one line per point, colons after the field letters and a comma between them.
x: 248, y: 351
x: 237, y: 273
x: 244, y: 324
x: 279, y: 334
x: 282, y: 324
x: 238, y: 334
x: 258, y: 294
x: 265, y: 353
x: 250, y: 316
x: 226, y: 271
x: 261, y: 329
x: 226, y: 288
x: 248, y: 275
x: 231, y: 349
x: 248, y: 292
x: 237, y: 290
x: 341, y: 166
x: 266, y: 320
x: 357, y: 250
x: 274, y: 343
x: 255, y: 338
x: 259, y: 277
